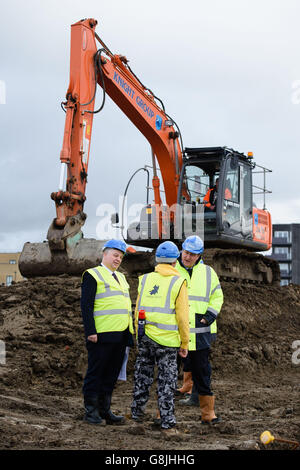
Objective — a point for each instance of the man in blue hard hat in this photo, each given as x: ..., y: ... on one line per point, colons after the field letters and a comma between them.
x: 162, y: 295
x: 205, y: 302
x: 107, y: 319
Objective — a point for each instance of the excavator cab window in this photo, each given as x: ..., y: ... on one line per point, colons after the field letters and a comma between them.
x: 198, y: 177
x: 237, y: 198
x: 197, y: 183
x: 231, y: 204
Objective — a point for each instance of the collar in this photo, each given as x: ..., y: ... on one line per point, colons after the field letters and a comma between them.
x: 109, y: 270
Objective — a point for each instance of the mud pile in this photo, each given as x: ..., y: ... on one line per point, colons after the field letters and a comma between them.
x: 43, y: 333
x: 40, y: 324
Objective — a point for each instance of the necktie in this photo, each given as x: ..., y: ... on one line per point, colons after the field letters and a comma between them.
x: 115, y: 277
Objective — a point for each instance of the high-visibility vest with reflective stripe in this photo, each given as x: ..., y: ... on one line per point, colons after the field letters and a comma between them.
x: 205, y: 295
x: 157, y: 296
x: 112, y: 306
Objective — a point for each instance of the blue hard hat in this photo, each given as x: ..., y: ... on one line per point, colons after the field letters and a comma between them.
x: 116, y: 244
x: 193, y: 244
x: 167, y: 252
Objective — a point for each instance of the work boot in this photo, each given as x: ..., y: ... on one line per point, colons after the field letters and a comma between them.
x: 91, y: 411
x: 138, y: 419
x: 172, y: 434
x: 207, y: 404
x: 170, y: 431
x: 192, y: 400
x: 157, y: 419
x: 105, y: 411
x: 187, y: 385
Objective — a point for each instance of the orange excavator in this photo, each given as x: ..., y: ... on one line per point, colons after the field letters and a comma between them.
x: 233, y: 232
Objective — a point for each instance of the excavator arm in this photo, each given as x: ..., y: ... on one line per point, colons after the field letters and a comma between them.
x: 88, y: 67
x: 74, y: 156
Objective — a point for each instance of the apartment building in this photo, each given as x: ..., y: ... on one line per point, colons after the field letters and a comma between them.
x: 286, y: 250
x: 9, y: 269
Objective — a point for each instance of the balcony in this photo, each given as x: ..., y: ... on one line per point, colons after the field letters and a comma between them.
x: 282, y: 256
x: 284, y: 275
x: 284, y: 241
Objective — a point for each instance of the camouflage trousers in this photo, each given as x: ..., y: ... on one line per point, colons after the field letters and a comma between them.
x: 151, y: 353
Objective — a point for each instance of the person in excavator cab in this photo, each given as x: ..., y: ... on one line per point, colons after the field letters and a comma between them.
x: 210, y: 198
x: 107, y: 319
x: 205, y: 302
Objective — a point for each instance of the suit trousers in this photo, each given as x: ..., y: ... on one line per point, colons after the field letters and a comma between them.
x: 104, y: 364
x: 201, y: 370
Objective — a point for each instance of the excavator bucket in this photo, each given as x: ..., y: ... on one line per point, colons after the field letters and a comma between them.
x: 38, y: 260
x: 65, y: 252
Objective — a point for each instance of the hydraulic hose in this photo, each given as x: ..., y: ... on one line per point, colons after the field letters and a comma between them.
x: 125, y: 193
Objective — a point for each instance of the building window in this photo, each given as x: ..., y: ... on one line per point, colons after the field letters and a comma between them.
x: 9, y: 280
x: 12, y: 261
x: 283, y: 234
x: 281, y: 250
x: 284, y: 282
x: 284, y: 268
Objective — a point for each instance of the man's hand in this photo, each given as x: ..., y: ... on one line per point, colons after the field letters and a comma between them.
x: 183, y: 352
x: 203, y: 321
x: 93, y: 338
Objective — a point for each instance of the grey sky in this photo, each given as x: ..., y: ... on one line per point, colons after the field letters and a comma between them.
x: 225, y: 71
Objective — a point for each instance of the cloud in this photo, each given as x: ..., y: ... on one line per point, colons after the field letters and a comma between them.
x: 285, y: 212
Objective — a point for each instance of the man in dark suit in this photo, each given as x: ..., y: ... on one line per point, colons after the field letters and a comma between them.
x: 107, y: 319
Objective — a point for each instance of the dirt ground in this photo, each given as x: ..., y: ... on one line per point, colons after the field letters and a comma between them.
x: 255, y: 380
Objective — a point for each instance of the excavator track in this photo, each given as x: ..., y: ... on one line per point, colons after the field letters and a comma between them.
x: 230, y: 265
x: 243, y: 266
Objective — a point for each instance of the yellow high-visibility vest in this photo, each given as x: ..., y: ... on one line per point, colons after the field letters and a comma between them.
x: 157, y: 296
x: 112, y: 306
x: 205, y: 294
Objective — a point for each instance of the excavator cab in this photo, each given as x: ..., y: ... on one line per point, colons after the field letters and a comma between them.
x: 230, y: 217
x: 221, y: 180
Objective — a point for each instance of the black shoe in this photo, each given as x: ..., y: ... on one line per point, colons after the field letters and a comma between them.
x: 91, y: 411
x: 213, y: 421
x: 105, y: 411
x: 140, y: 418
x: 192, y: 400
x: 179, y: 394
x: 110, y: 418
x: 157, y: 422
